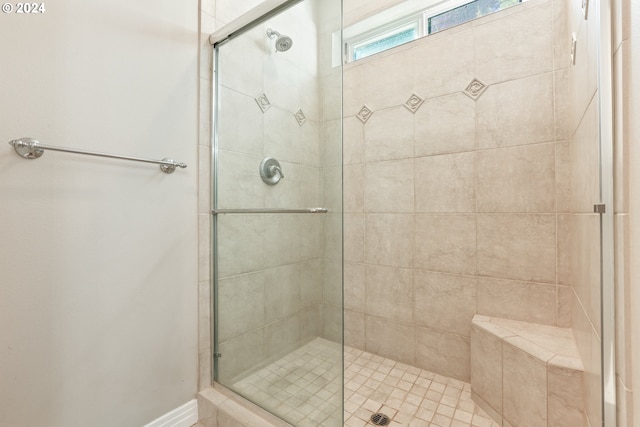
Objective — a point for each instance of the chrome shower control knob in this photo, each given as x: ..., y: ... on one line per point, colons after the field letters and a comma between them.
x: 271, y: 171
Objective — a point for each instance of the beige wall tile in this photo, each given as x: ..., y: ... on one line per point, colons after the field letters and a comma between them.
x: 505, y: 115
x: 566, y: 301
x: 524, y: 301
x: 389, y: 239
x: 384, y: 142
x: 390, y: 339
x: 205, y: 363
x: 446, y: 124
x: 446, y: 243
x: 624, y: 405
x: 204, y: 315
x: 291, y: 238
x: 332, y: 231
x: 354, y: 183
x: 281, y: 292
x: 238, y: 183
x: 240, y: 354
x: 247, y: 54
x: 504, y: 52
x: 517, y: 179
x: 241, y: 305
x: 564, y: 397
x: 506, y: 244
x: 524, y: 388
x: 311, y: 323
x: 586, y: 264
x: 388, y: 186
x: 331, y: 134
x: 240, y: 235
x: 354, y: 332
x: 354, y: 287
x: 385, y: 82
x: 311, y: 281
x: 486, y: 367
x: 452, y: 72
x: 389, y: 293
x: 243, y: 139
x: 354, y: 237
x: 444, y: 353
x: 332, y: 323
x: 353, y: 145
x: 563, y: 124
x: 436, y: 294
x: 204, y: 247
x: 561, y: 34
x: 281, y: 337
x: 565, y: 248
x: 563, y: 176
x: 585, y: 160
x: 445, y: 183
x: 332, y: 293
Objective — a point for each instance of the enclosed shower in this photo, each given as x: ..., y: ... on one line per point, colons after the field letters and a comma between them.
x: 278, y: 214
x: 409, y: 214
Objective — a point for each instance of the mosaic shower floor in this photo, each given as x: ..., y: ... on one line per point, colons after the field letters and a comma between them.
x: 302, y: 388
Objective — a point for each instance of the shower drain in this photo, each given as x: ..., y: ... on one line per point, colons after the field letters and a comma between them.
x: 380, y: 419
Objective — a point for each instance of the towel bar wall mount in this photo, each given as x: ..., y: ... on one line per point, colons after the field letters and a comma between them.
x: 29, y: 148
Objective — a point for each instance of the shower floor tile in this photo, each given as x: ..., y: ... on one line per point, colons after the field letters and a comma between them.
x: 302, y: 387
x: 409, y: 396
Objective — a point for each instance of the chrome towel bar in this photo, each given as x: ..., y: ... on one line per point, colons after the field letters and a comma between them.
x: 269, y: 211
x: 29, y: 148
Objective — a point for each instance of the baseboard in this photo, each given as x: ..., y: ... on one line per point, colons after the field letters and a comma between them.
x: 184, y: 416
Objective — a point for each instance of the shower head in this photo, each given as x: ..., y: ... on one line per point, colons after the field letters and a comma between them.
x: 283, y: 43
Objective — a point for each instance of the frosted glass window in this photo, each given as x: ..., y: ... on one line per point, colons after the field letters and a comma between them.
x: 385, y: 41
x: 467, y: 12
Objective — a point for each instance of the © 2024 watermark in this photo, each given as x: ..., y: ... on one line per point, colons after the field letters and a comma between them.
x: 23, y: 8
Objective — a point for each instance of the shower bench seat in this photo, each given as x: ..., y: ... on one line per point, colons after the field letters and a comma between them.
x: 526, y: 374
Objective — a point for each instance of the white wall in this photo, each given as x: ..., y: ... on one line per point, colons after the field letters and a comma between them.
x: 98, y: 257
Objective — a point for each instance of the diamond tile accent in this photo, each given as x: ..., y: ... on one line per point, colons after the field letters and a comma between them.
x: 300, y: 117
x: 263, y: 102
x: 364, y: 114
x: 413, y: 103
x: 475, y: 89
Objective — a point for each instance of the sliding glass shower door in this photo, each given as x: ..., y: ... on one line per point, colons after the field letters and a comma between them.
x: 278, y: 214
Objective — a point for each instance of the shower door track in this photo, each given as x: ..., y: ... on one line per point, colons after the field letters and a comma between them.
x: 269, y: 211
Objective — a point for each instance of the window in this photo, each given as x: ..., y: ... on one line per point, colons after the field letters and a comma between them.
x: 412, y: 20
x: 466, y: 12
x: 381, y: 41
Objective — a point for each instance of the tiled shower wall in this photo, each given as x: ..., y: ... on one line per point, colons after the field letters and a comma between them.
x: 279, y: 274
x: 457, y: 186
x: 213, y: 15
x: 270, y: 266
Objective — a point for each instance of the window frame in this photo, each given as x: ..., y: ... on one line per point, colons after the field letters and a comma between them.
x: 421, y: 17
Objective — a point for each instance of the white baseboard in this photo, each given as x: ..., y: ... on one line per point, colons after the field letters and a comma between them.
x: 184, y: 416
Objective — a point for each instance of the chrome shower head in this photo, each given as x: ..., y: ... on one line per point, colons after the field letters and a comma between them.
x: 283, y: 43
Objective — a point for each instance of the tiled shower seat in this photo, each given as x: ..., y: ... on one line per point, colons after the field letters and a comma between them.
x: 525, y: 374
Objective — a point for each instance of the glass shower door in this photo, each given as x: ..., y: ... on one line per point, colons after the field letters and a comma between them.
x: 278, y: 214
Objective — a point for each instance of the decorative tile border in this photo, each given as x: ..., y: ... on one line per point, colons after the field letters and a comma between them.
x: 475, y: 89
x: 364, y: 114
x: 263, y: 102
x: 414, y: 103
x: 300, y: 117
